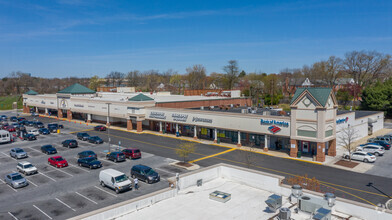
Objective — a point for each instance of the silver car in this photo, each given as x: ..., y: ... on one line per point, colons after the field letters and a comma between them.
x: 18, y: 153
x: 16, y: 180
x: 372, y: 148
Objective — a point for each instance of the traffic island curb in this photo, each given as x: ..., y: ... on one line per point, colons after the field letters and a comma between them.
x: 191, y: 167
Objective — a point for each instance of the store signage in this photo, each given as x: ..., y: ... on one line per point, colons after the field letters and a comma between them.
x: 90, y: 106
x: 274, y: 122
x: 274, y: 129
x: 342, y: 120
x: 205, y: 120
x: 79, y: 105
x: 158, y: 115
x: 179, y: 117
x: 63, y: 103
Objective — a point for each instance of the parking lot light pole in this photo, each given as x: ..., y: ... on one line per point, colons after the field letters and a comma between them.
x: 108, y: 126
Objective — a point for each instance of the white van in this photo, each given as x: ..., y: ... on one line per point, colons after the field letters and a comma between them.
x: 114, y: 179
x: 5, y: 136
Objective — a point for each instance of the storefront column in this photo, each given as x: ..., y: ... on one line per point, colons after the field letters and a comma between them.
x: 59, y: 113
x: 160, y: 127
x: 129, y: 124
x: 266, y: 138
x: 88, y: 118
x: 151, y: 125
x: 69, y: 115
x: 25, y: 109
x: 36, y: 110
x: 332, y: 148
x: 107, y: 121
x: 195, y: 132
x: 215, y: 135
x: 46, y: 111
x: 177, y: 134
x: 320, y: 157
x: 239, y: 139
x: 293, y: 148
x: 139, y: 126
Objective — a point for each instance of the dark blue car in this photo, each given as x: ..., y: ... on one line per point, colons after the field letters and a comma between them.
x: 89, y: 162
x: 44, y: 131
x: 95, y: 140
x: 384, y: 144
x: 87, y: 153
x: 48, y: 149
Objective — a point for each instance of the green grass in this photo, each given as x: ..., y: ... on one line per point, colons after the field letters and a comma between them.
x: 6, y: 102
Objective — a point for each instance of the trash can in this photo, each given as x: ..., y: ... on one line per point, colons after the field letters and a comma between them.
x: 299, y: 154
x: 218, y: 141
x: 178, y: 134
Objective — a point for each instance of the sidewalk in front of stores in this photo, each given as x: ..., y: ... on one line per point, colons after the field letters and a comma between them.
x: 329, y: 161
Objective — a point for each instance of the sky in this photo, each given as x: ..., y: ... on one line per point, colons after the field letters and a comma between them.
x: 83, y: 38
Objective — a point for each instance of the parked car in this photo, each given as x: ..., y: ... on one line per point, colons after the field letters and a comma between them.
x: 26, y: 168
x: 44, y: 131
x: 376, y: 150
x: 21, y: 119
x: 57, y: 161
x: 115, y: 180
x: 384, y: 144
x: 34, y: 114
x: 132, y: 153
x: 4, y: 117
x: 29, y: 123
x: 48, y: 149
x: 16, y: 180
x: 29, y: 137
x: 70, y: 143
x: 100, y: 128
x: 145, y: 173
x: 83, y: 136
x: 33, y: 131
x: 116, y: 156
x: 18, y: 153
x: 9, y: 128
x: 95, y: 140
x: 13, y: 119
x: 89, y: 162
x: 39, y: 124
x: 54, y: 126
x: 361, y: 156
x: 87, y: 153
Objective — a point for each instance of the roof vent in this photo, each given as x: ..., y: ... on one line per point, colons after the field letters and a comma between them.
x: 284, y: 214
x: 274, y: 202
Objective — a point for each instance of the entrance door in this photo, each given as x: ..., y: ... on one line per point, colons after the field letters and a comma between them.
x: 305, y: 147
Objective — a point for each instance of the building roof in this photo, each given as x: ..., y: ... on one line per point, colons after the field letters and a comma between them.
x: 140, y: 98
x: 358, y: 114
x: 76, y: 89
x: 320, y: 94
x: 31, y: 92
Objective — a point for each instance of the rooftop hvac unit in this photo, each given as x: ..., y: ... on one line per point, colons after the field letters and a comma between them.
x: 311, y: 204
x: 322, y: 214
x: 284, y: 214
x: 274, y: 202
x: 330, y: 197
x: 220, y: 196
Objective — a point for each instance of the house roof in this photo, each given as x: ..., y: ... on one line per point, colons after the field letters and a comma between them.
x: 320, y: 94
x: 140, y: 98
x: 31, y: 92
x: 76, y: 89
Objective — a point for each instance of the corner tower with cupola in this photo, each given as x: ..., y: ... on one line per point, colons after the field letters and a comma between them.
x: 313, y: 124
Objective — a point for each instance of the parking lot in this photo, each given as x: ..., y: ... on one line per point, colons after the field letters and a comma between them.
x: 60, y: 193
x: 382, y: 166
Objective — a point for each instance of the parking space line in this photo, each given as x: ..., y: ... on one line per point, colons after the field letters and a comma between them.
x: 2, y: 181
x: 12, y: 216
x: 79, y: 168
x: 28, y: 179
x: 42, y: 212
x: 106, y: 191
x: 87, y: 198
x: 65, y: 204
x: 48, y: 176
x: 9, y: 185
x: 9, y: 156
x: 107, y: 160
x: 35, y: 149
x: 58, y: 169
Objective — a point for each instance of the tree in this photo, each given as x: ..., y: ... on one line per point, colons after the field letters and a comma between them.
x: 242, y: 74
x: 94, y: 83
x: 378, y: 97
x: 116, y: 78
x: 133, y: 78
x: 177, y: 81
x: 366, y: 67
x: 196, y: 76
x: 347, y: 136
x: 344, y: 96
x: 232, y: 72
x: 185, y: 149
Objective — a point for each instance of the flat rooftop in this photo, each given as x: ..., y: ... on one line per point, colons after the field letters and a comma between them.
x: 239, y: 110
x: 358, y: 114
x: 193, y: 203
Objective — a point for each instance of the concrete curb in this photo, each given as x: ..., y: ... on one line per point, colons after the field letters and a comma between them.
x: 193, y: 167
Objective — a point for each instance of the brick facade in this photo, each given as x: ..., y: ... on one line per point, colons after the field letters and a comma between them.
x: 320, y: 152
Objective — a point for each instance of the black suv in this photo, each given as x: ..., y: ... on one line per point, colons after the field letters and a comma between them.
x: 38, y: 124
x: 116, y: 156
x: 95, y: 140
x: 145, y: 173
x: 48, y: 149
x: 83, y: 136
x: 53, y: 127
x: 70, y: 143
x: 29, y: 137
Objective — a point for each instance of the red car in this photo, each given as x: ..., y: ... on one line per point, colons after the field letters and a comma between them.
x: 100, y: 128
x: 132, y: 153
x: 10, y: 128
x: 57, y: 161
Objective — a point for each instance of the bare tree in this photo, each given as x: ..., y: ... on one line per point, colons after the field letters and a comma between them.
x: 347, y: 136
x: 367, y: 67
x: 133, y: 78
x: 196, y: 76
x: 232, y: 72
x: 185, y: 149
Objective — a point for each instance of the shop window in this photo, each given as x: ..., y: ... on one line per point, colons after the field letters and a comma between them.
x: 328, y: 133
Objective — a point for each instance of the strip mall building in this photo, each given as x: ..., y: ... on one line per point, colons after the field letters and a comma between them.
x: 312, y: 127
